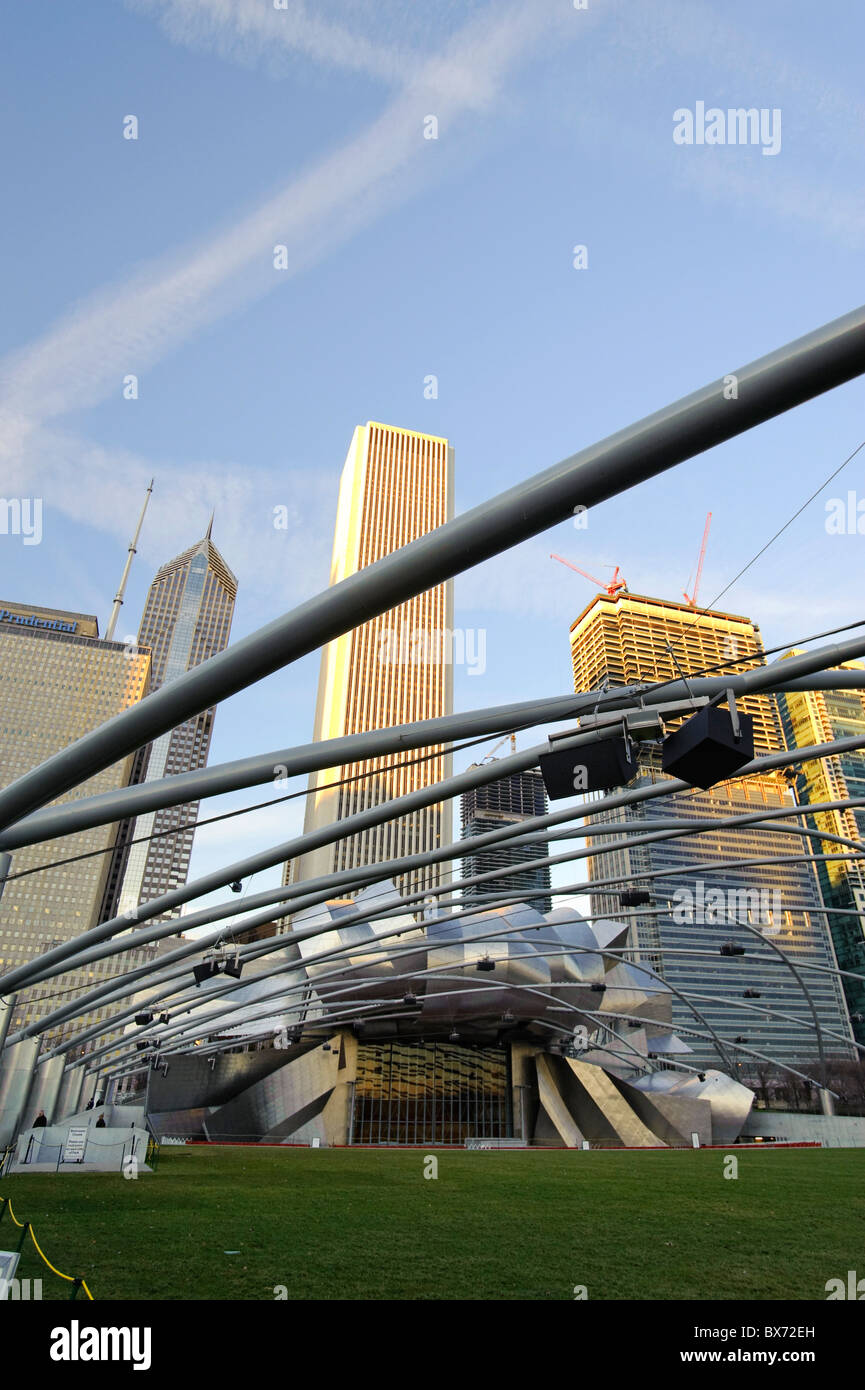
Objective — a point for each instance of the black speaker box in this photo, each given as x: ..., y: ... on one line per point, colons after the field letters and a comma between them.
x: 634, y: 897
x: 594, y: 767
x: 704, y: 751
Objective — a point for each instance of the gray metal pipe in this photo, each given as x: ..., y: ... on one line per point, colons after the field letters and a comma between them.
x: 111, y: 990
x: 793, y: 673
x: 257, y: 949
x: 273, y: 945
x: 376, y: 815
x: 813, y: 364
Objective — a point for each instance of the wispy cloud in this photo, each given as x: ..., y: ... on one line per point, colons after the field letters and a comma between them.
x: 247, y: 31
x: 129, y: 326
x: 92, y: 485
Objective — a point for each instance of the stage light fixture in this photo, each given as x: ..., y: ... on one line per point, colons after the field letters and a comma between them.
x: 590, y: 767
x: 634, y: 897
x: 710, y: 746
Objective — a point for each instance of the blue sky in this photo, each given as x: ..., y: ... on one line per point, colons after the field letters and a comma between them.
x: 408, y: 257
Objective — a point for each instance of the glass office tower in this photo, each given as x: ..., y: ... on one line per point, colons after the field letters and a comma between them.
x: 703, y: 895
x: 507, y: 802
x: 817, y: 716
x: 187, y: 618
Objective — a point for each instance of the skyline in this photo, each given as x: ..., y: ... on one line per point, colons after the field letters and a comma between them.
x: 436, y: 430
x: 248, y: 407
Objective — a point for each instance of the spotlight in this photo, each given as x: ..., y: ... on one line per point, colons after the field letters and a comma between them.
x: 508, y: 1017
x: 165, y: 1018
x: 236, y: 886
x: 598, y: 989
x: 701, y: 1076
x: 590, y: 767
x: 710, y: 746
x: 143, y: 1019
x: 409, y: 998
x: 454, y: 1036
x: 729, y: 948
x: 325, y: 1047
x: 485, y: 964
x: 751, y: 994
x: 234, y: 968
x: 205, y: 971
x: 634, y: 897
x: 740, y: 1039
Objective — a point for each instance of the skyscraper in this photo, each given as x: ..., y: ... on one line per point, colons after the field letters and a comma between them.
x: 396, y: 486
x: 58, y: 681
x: 818, y: 716
x: 187, y: 618
x: 700, y: 903
x: 507, y: 802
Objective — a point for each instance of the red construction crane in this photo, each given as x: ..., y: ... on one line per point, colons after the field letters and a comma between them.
x: 691, y: 599
x: 615, y: 586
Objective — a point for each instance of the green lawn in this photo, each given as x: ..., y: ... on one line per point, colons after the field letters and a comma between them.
x: 338, y: 1224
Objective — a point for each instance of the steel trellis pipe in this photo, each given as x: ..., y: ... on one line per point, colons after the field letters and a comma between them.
x: 817, y: 362
x: 793, y: 673
x: 453, y: 786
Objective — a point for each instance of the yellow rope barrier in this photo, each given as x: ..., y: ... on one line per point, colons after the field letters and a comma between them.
x: 18, y: 1223
x: 70, y: 1278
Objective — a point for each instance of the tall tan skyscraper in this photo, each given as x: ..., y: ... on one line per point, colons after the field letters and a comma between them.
x: 396, y: 485
x: 627, y: 639
x: 58, y: 681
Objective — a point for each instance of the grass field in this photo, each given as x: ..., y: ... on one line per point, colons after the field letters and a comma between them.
x: 366, y: 1224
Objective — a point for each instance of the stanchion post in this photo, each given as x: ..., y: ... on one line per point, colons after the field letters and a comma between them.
x: 7, y: 1005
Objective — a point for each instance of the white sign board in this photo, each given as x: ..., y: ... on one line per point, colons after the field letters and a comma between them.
x: 76, y: 1144
x: 8, y: 1265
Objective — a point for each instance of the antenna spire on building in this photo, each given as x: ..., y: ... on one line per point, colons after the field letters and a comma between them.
x: 209, y: 526
x: 118, y: 597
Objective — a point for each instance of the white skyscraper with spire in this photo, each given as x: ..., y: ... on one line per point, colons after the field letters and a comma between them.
x: 187, y: 618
